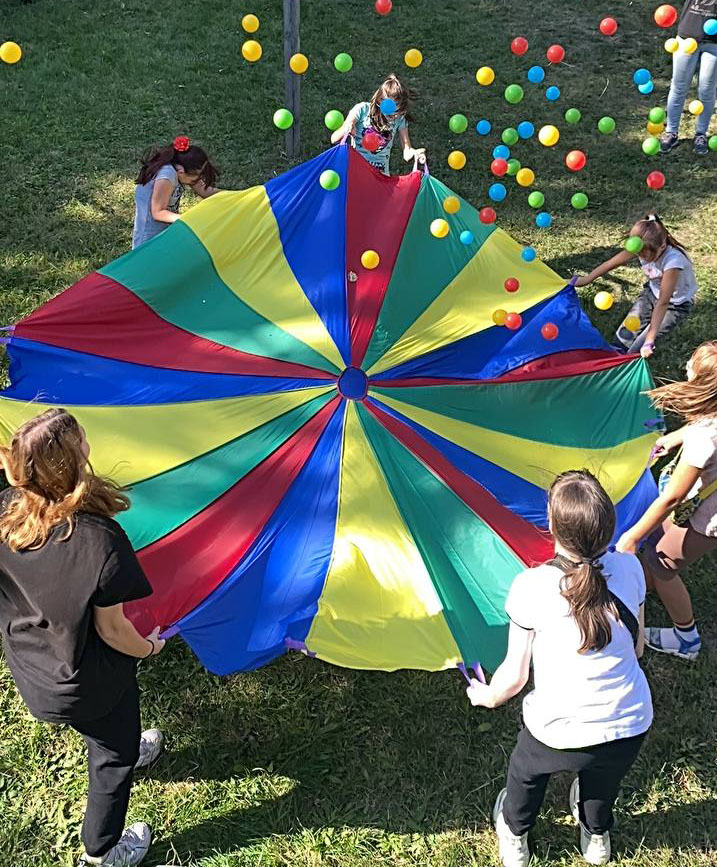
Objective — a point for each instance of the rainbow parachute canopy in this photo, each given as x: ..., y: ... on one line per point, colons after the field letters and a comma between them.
x: 348, y: 461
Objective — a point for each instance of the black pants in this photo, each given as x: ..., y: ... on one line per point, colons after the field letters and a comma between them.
x: 112, y: 749
x: 600, y: 769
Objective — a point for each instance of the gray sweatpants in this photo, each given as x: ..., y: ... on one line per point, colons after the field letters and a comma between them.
x: 642, y: 308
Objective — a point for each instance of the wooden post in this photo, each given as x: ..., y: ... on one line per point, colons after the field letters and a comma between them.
x: 293, y: 85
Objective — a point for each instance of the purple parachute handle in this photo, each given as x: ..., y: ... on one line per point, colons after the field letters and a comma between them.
x: 169, y: 632
x: 293, y: 644
x: 476, y: 668
x: 573, y: 280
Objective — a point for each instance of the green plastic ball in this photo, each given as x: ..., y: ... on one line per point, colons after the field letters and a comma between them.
x: 634, y: 244
x: 606, y: 125
x: 651, y: 146
x: 343, y: 62
x: 657, y: 114
x: 579, y: 201
x: 458, y: 123
x: 536, y: 199
x: 330, y: 180
x: 513, y: 94
x: 283, y: 118
x: 514, y: 167
x: 573, y: 115
x: 333, y: 119
x: 712, y: 143
x: 510, y: 136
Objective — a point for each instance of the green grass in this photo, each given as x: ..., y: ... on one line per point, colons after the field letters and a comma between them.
x: 303, y: 764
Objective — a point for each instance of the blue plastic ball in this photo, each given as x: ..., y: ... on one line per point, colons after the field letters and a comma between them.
x: 526, y: 129
x: 710, y: 26
x: 641, y: 76
x: 528, y: 254
x: 646, y: 88
x: 467, y: 237
x: 552, y: 93
x: 388, y: 106
x: 543, y: 220
x: 497, y: 192
x: 501, y: 152
x: 536, y: 74
x: 483, y: 127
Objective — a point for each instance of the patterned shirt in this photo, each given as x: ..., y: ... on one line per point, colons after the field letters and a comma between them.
x: 379, y: 158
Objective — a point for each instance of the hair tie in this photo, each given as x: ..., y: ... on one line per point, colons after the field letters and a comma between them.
x: 591, y: 561
x: 181, y: 143
x: 651, y: 218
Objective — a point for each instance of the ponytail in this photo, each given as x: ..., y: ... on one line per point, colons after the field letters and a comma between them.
x: 585, y: 587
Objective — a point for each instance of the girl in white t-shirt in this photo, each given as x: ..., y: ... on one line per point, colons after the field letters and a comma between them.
x: 577, y: 618
x: 669, y: 291
x: 671, y: 547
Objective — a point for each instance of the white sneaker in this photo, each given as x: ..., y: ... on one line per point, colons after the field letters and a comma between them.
x: 150, y: 746
x: 595, y: 847
x: 133, y: 845
x: 513, y: 849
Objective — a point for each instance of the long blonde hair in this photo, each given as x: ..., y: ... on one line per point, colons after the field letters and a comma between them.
x: 52, y: 481
x: 696, y: 398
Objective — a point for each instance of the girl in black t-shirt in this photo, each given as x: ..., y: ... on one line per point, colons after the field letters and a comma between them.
x: 66, y: 568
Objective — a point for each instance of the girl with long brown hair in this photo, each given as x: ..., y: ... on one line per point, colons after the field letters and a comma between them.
x: 671, y: 547
x: 578, y: 618
x: 66, y: 568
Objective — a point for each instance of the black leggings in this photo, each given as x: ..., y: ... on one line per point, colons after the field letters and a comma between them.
x: 600, y: 769
x: 112, y: 749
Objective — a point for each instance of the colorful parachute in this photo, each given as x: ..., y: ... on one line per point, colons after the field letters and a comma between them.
x: 346, y: 461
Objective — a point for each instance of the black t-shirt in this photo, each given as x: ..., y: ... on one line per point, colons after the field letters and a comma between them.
x: 62, y: 668
x: 692, y: 18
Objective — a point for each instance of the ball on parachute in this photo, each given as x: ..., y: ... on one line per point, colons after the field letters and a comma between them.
x: 440, y: 228
x: 329, y: 179
x: 608, y: 26
x: 250, y: 23
x: 499, y: 316
x: 485, y: 76
x: 456, y: 160
x: 370, y: 259
x: 555, y: 54
x: 513, y: 321
x: 655, y: 180
x: 665, y: 15
x: 413, y: 58
x: 603, y: 300
x: 575, y: 160
x: 549, y: 135
x: 466, y: 237
x: 283, y: 118
x: 451, y: 204
x: 251, y: 50
x: 549, y: 331
x: 299, y: 63
x: 519, y: 45
x: 528, y: 254
x: 512, y: 284
x: 458, y: 123
x: 487, y: 216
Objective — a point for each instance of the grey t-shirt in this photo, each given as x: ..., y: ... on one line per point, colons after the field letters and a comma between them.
x: 145, y: 226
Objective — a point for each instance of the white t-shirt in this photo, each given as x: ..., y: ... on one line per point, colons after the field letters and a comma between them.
x: 699, y: 449
x: 686, y: 287
x: 581, y: 699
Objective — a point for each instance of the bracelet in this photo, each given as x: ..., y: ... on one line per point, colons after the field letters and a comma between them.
x: 153, y: 648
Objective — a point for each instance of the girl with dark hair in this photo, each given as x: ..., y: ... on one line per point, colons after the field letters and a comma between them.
x: 579, y: 619
x: 670, y: 288
x: 373, y: 132
x: 160, y: 182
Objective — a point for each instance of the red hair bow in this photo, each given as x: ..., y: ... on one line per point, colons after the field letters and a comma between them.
x: 181, y: 143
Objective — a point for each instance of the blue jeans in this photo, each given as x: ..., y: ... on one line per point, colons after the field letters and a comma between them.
x: 642, y: 308
x: 684, y: 66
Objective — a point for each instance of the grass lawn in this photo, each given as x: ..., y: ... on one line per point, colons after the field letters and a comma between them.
x: 303, y: 764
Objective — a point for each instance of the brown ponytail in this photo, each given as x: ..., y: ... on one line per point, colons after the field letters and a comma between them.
x: 582, y: 520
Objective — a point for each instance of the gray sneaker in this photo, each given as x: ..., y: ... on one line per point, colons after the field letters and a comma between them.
x: 668, y: 142
x: 701, y: 147
x: 150, y: 746
x: 130, y: 850
x: 595, y: 847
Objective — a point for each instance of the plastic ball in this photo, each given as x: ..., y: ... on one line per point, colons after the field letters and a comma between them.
x: 466, y: 237
x: 456, y: 160
x: 283, y: 118
x: 299, y: 63
x: 634, y: 244
x: 665, y: 15
x: 251, y: 50
x: 333, y: 119
x: 371, y: 141
x: 451, y: 204
x: 710, y: 27
x: 689, y: 45
x: 501, y: 152
x: 519, y: 45
x: 549, y: 136
x: 499, y: 316
x: 483, y: 127
x: 370, y: 259
x: 383, y: 7
x: 606, y: 125
x: 497, y: 192
x: 413, y: 58
x: 603, y: 300
x: 543, y: 220
x: 440, y: 228
x: 528, y: 254
x: 513, y: 321
x: 655, y: 128
x: 536, y: 74
x: 579, y: 201
x: 657, y: 114
x: 499, y: 167
x: 525, y: 177
x: 575, y: 161
x: 555, y: 54
x: 608, y: 27
x: 641, y: 76
x: 388, y: 106
x: 536, y: 199
x: 651, y: 146
x: 573, y: 115
x: 549, y: 331
x: 646, y: 88
x: 632, y: 323
x: 655, y: 180
x: 512, y: 284
x: 487, y: 216
x: 250, y: 23
x: 526, y: 129
x: 10, y: 52
x: 712, y: 143
x: 509, y: 135
x: 485, y: 76
x: 458, y: 123
x: 513, y: 94
x: 343, y: 62
x: 330, y: 180
x: 513, y: 167
x: 672, y: 45
x: 695, y: 107
x: 552, y: 94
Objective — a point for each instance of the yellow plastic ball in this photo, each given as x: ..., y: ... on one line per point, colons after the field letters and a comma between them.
x: 672, y: 45
x: 655, y: 128
x: 251, y: 50
x: 451, y: 205
x: 413, y: 58
x: 440, y: 228
x: 499, y: 316
x: 549, y: 135
x: 632, y: 323
x: 696, y: 107
x: 603, y: 300
x: 456, y: 160
x: 370, y: 259
x: 525, y: 177
x: 689, y: 45
x: 10, y: 52
x: 250, y: 23
x: 299, y: 63
x: 485, y: 76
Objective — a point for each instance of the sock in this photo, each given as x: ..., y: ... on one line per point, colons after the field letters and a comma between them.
x: 688, y: 633
x: 670, y: 637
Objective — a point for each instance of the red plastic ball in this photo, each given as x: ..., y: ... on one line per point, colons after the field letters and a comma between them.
x: 575, y: 160
x: 608, y: 27
x: 383, y: 7
x: 512, y: 284
x: 549, y: 331
x: 655, y: 180
x: 519, y: 45
x: 513, y: 321
x: 488, y: 215
x: 371, y: 141
x: 555, y: 54
x: 499, y: 167
x: 665, y: 15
